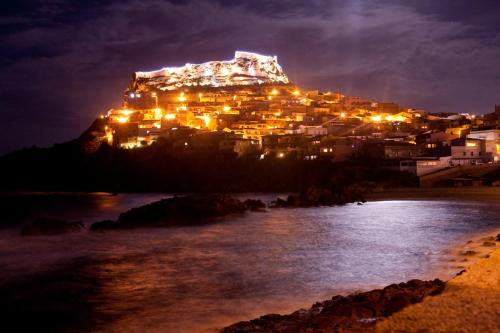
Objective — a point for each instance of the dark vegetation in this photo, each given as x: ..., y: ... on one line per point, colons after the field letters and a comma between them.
x: 164, y: 167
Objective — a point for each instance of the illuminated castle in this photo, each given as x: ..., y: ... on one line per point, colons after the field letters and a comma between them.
x: 245, y: 69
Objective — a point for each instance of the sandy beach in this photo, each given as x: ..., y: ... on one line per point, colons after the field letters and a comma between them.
x: 469, y: 303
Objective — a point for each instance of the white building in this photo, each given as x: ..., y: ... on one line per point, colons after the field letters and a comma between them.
x: 313, y: 130
x: 467, y: 151
x: 424, y: 165
x: 491, y: 139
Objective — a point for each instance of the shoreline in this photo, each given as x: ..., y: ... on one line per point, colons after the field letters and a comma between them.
x: 479, y: 261
x: 489, y: 193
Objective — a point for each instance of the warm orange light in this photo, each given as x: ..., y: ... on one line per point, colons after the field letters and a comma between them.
x: 226, y: 108
x: 181, y: 98
x: 274, y: 92
x: 395, y: 118
x: 158, y: 113
x: 170, y: 116
x: 342, y: 115
x: 206, y: 119
x: 296, y: 93
x: 376, y: 118
x: 122, y: 120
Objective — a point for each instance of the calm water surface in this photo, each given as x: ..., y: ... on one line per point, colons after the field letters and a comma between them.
x: 197, y: 279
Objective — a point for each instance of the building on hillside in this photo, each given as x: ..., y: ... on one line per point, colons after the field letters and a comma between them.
x: 435, y: 136
x: 341, y: 149
x: 399, y: 150
x: 437, y: 148
x: 239, y: 146
x: 467, y: 151
x: 459, y: 131
x: 491, y: 139
x: 424, y: 165
x: 313, y: 130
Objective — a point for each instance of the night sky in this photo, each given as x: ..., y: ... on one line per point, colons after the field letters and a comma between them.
x: 62, y: 63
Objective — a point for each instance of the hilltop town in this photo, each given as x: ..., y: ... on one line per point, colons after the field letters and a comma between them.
x: 248, y: 107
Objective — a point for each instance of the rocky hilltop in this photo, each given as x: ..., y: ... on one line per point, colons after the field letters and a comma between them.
x: 245, y: 69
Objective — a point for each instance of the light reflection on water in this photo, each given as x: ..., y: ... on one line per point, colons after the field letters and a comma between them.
x: 195, y: 279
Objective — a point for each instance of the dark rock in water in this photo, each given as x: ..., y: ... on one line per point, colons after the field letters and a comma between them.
x: 104, y: 225
x: 469, y: 253
x: 488, y: 243
x: 353, y: 313
x: 49, y: 226
x: 177, y: 211
x: 318, y: 196
x: 254, y: 205
x: 498, y: 238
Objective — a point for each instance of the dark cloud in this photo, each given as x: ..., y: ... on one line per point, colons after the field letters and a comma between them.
x: 64, y: 62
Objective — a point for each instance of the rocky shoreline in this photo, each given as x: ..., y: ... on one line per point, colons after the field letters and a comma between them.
x: 404, y: 307
x: 197, y: 209
x: 353, y: 313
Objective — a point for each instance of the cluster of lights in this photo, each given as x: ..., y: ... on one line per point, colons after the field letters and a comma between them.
x: 182, y: 97
x: 122, y: 120
x: 379, y: 118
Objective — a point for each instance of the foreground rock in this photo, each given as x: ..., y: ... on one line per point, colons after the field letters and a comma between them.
x: 49, y: 226
x: 176, y: 211
x: 353, y: 313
